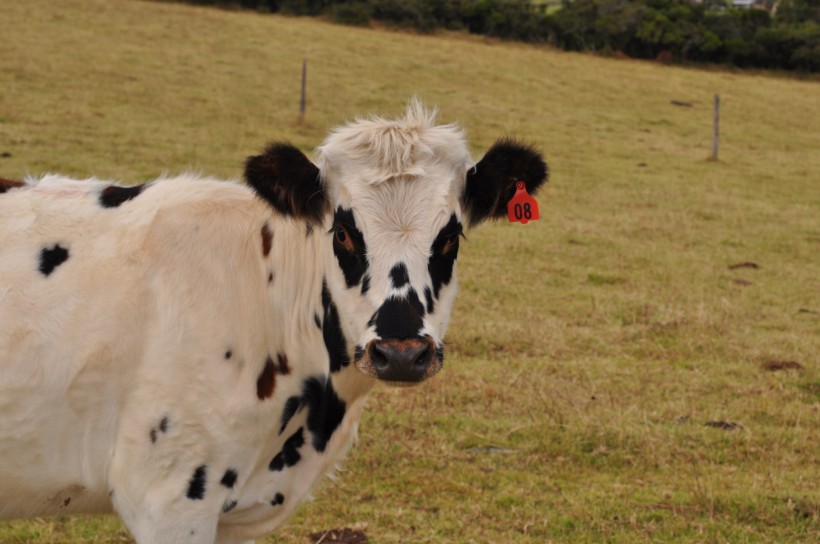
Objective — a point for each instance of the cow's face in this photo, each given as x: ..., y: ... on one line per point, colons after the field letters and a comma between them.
x: 394, y: 197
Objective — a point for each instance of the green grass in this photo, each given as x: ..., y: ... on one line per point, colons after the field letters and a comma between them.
x: 587, y: 350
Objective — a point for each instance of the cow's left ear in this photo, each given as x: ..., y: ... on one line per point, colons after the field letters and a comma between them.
x: 491, y: 182
x: 284, y: 177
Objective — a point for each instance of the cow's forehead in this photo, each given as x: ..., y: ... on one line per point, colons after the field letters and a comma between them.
x: 402, y: 206
x: 404, y: 228
x: 377, y: 162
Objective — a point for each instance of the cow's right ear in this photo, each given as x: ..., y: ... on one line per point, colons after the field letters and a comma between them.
x: 286, y: 178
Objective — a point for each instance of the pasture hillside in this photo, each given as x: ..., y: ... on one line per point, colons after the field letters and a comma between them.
x: 640, y: 365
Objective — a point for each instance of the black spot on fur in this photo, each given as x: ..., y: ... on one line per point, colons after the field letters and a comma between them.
x: 400, y: 317
x: 229, y: 505
x: 267, y: 240
x: 196, y: 486
x: 270, y: 277
x: 289, y: 455
x: 163, y: 424
x: 290, y: 409
x: 443, y: 255
x: 399, y: 276
x: 153, y: 435
x: 352, y: 262
x: 332, y: 333
x: 428, y: 297
x: 326, y: 410
x: 52, y: 258
x: 113, y: 195
x: 491, y: 183
x: 228, y: 354
x: 229, y: 478
x: 365, y: 283
x: 317, y: 320
x: 277, y: 499
x: 284, y: 177
x: 266, y: 381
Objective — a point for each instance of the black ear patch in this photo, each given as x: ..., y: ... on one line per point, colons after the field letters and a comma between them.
x: 491, y: 182
x: 284, y: 177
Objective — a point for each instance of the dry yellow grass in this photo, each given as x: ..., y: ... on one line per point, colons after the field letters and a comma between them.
x: 588, y: 350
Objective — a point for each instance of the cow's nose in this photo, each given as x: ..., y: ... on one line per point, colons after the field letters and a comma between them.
x: 405, y: 360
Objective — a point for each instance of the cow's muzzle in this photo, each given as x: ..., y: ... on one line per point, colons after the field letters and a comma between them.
x: 405, y: 361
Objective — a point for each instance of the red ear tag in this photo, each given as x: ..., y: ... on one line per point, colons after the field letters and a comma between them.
x: 522, y: 207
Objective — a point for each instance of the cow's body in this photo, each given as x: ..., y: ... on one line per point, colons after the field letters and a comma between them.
x: 195, y: 356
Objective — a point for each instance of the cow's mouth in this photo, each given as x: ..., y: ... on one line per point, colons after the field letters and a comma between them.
x: 401, y: 362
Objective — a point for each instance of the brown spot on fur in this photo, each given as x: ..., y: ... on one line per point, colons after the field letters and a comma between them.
x: 8, y: 184
x: 283, y: 367
x: 266, y: 381
x: 267, y: 240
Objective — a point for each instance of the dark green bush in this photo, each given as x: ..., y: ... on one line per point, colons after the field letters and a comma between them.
x: 710, y: 31
x: 352, y: 13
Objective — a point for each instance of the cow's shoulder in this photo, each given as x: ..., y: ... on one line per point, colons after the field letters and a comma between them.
x: 194, y: 218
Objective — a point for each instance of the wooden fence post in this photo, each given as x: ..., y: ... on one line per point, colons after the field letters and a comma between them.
x: 716, y: 128
x: 302, y: 96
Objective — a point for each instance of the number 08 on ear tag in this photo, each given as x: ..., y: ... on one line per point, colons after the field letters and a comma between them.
x: 522, y: 207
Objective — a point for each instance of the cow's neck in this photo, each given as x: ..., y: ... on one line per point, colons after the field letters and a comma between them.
x: 308, y: 296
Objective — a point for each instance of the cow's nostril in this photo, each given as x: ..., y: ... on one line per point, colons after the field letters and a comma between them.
x: 379, y: 357
x: 423, y: 359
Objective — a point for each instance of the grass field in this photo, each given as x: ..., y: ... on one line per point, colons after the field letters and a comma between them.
x: 588, y: 350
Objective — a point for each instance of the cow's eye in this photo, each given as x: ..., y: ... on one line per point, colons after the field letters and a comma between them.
x: 342, y: 239
x: 450, y: 244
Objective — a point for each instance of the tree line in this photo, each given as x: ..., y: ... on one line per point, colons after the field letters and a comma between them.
x: 706, y: 31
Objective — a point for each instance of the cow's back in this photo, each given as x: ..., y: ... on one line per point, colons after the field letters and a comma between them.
x: 94, y: 282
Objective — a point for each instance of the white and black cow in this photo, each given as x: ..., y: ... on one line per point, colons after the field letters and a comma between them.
x: 195, y: 354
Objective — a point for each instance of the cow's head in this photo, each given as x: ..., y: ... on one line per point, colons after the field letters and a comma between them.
x: 394, y: 197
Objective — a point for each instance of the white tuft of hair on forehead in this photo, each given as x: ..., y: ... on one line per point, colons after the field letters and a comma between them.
x: 379, y: 149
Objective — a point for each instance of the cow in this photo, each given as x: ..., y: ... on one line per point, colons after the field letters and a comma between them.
x: 194, y: 354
